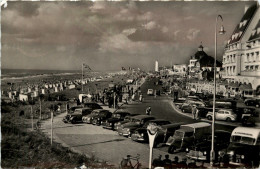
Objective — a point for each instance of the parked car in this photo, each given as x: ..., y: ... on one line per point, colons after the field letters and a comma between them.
x: 150, y: 92
x: 187, y: 108
x: 252, y: 102
x: 89, y: 118
x: 187, y: 135
x: 116, y: 117
x: 138, y: 121
x: 163, y: 133
x: 127, y: 119
x: 223, y: 114
x: 92, y: 105
x: 77, y: 115
x: 178, y: 103
x: 203, y: 111
x: 102, y: 116
x: 201, y: 150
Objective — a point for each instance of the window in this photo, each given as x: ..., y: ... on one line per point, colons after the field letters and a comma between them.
x: 226, y: 112
x: 247, y: 56
x: 256, y: 67
x: 221, y: 112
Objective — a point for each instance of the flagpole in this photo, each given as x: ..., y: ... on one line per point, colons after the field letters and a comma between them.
x: 82, y: 79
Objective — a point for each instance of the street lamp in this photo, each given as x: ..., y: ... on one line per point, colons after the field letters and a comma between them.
x: 221, y: 32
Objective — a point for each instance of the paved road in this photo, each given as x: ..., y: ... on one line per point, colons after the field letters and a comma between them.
x: 108, y: 145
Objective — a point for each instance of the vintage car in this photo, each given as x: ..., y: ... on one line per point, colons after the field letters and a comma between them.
x: 92, y: 105
x: 103, y: 115
x: 178, y: 103
x: 116, y: 117
x: 150, y: 92
x: 77, y: 115
x: 138, y: 121
x: 252, y: 102
x: 126, y: 120
x: 163, y: 133
x: 89, y: 118
x: 187, y: 108
x: 223, y: 114
x: 201, y: 150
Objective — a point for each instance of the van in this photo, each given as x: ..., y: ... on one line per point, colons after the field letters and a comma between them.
x: 244, y: 147
x: 187, y: 135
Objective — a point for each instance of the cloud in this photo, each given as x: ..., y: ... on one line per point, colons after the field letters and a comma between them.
x: 150, y: 25
x: 193, y: 33
x: 128, y: 32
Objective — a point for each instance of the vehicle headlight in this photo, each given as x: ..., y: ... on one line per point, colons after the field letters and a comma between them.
x: 142, y: 134
x: 205, y: 153
x: 110, y: 124
x: 98, y: 118
x: 231, y: 153
x: 187, y: 149
x: 242, y: 157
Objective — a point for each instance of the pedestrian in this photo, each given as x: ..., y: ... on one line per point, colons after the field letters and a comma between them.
x: 176, y: 160
x: 133, y: 97
x: 126, y: 163
x: 167, y: 163
x: 197, y: 113
x: 154, y: 93
x: 157, y: 162
x: 141, y: 97
x: 149, y: 111
x: 194, y: 111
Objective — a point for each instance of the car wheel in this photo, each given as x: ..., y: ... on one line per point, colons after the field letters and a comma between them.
x: 73, y: 121
x: 228, y: 119
x: 209, y: 117
x: 177, y: 106
x: 171, y: 149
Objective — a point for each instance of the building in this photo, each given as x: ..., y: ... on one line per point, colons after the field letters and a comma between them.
x: 241, y: 59
x: 23, y: 97
x: 156, y: 69
x: 180, y: 69
x: 201, y: 61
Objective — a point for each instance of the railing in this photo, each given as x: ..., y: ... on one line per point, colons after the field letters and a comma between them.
x: 250, y: 73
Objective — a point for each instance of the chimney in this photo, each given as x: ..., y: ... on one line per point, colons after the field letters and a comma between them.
x: 246, y: 8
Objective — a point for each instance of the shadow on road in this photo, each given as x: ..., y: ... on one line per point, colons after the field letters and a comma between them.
x: 67, y: 126
x: 108, y: 141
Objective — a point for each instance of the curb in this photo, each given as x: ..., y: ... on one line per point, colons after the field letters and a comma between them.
x: 205, y: 120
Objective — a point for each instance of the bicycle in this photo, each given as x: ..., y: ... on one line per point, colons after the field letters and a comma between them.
x: 138, y: 164
x: 124, y: 162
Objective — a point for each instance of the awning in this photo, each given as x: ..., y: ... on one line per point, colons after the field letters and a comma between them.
x: 245, y: 87
x: 233, y: 85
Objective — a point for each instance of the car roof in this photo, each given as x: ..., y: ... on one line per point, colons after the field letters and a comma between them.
x: 246, y: 131
x: 84, y: 108
x: 142, y: 117
x: 158, y: 120
x: 173, y: 125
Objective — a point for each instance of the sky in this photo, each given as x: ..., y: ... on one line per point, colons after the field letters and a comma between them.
x: 111, y: 35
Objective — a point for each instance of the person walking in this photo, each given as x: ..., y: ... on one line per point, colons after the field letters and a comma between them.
x: 141, y: 97
x: 149, y: 111
x: 193, y: 111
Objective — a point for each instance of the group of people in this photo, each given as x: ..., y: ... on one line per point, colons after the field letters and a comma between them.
x: 167, y: 163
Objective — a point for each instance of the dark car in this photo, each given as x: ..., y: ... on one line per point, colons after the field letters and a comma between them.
x: 89, y: 118
x: 252, y: 102
x: 201, y: 150
x: 138, y: 121
x: 92, y: 105
x: 116, y: 117
x: 77, y: 115
x: 126, y: 120
x: 178, y: 103
x: 163, y: 133
x: 103, y: 115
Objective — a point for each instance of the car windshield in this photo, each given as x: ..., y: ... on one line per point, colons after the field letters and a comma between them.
x: 243, y: 140
x: 95, y: 113
x: 77, y: 112
x: 178, y: 133
x: 116, y: 115
x: 136, y: 121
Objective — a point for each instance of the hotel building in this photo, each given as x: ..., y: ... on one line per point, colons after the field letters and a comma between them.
x: 241, y: 59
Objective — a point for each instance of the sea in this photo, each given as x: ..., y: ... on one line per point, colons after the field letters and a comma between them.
x: 27, y: 73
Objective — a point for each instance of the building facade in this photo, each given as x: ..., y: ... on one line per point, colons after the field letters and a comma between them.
x: 241, y: 59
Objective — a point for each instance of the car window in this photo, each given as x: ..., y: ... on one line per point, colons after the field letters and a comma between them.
x: 189, y: 134
x: 221, y: 112
x: 227, y: 112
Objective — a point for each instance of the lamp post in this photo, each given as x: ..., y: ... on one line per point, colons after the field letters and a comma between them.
x: 212, y: 152
x: 82, y: 77
x: 152, y: 133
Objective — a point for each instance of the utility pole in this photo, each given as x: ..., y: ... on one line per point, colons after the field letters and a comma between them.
x: 32, y: 116
x: 82, y: 78
x: 114, y: 100
x: 40, y: 108
x: 51, y: 126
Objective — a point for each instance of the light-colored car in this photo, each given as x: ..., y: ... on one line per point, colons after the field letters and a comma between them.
x: 223, y: 114
x: 150, y: 92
